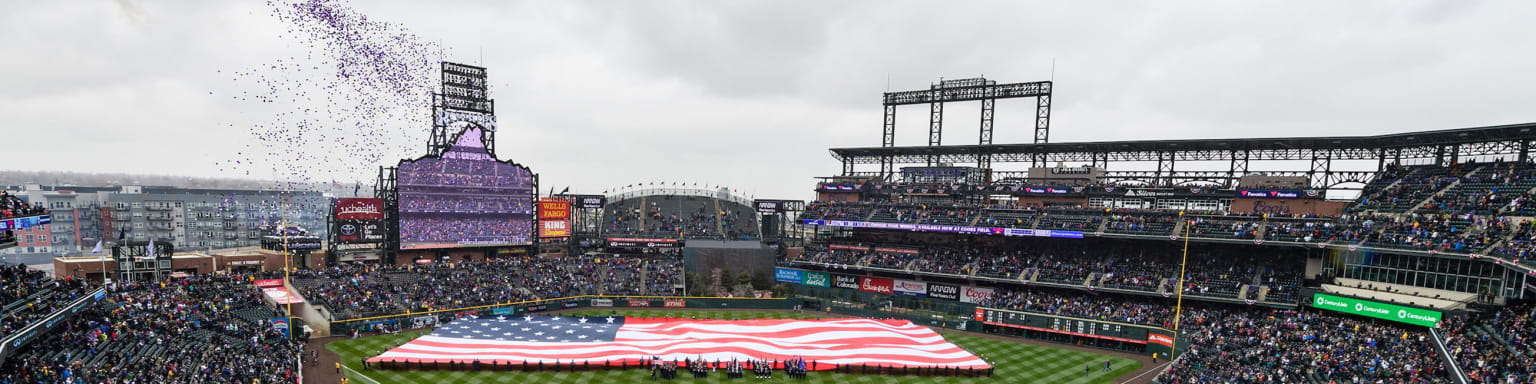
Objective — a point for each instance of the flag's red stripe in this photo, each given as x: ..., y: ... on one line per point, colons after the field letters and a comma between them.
x: 769, y: 343
x: 599, y: 356
x: 820, y: 366
x: 782, y: 334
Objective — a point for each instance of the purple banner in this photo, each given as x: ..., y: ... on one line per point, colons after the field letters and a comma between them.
x: 948, y: 228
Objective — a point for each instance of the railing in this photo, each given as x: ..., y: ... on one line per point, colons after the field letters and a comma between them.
x: 16, y: 340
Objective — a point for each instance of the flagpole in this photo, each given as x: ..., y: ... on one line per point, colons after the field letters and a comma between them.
x: 1178, y: 307
x: 283, y: 211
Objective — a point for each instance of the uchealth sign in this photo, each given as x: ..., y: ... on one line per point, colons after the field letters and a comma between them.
x: 639, y: 303
x: 817, y: 279
x: 1160, y: 339
x: 943, y: 291
x: 975, y: 295
x: 845, y: 281
x: 875, y: 285
x: 910, y: 288
x: 1384, y: 311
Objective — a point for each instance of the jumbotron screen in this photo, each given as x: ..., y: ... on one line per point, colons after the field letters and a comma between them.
x: 465, y: 198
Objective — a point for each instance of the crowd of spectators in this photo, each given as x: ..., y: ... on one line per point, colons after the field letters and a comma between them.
x: 359, y: 290
x: 29, y: 295
x: 465, y: 229
x: 1440, y: 232
x: 1146, y: 311
x: 688, y: 217
x: 204, y: 329
x: 837, y: 211
x: 1495, y: 348
x: 414, y: 203
x: 1280, y: 346
x: 1216, y: 270
x: 13, y: 206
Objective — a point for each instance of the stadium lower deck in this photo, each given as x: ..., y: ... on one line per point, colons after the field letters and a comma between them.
x: 1450, y: 240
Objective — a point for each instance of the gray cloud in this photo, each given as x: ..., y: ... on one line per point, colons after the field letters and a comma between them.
x: 598, y: 94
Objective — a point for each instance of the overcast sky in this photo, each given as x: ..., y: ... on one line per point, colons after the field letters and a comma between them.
x: 750, y: 94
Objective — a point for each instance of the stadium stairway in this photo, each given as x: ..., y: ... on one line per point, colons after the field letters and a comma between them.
x: 1446, y: 358
x: 1441, y: 192
x: 1030, y: 274
x: 1102, y: 224
x: 643, y: 213
x: 719, y: 221
x: 1505, y: 208
x: 1489, y: 333
x: 1378, y: 191
x: 1178, y: 229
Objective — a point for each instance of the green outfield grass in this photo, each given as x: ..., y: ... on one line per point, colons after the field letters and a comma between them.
x: 1015, y: 362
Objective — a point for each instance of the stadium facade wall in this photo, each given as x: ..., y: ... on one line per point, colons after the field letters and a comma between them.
x: 1039, y: 201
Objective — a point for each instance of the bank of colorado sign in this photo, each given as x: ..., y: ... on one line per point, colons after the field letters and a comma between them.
x: 1384, y: 311
x: 845, y: 281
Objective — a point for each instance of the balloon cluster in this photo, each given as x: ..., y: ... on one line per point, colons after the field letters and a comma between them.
x: 356, y: 95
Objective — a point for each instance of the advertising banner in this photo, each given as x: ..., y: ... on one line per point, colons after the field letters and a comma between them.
x: 639, y: 303
x: 818, y: 279
x: 1384, y: 311
x: 947, y: 228
x: 674, y: 303
x: 554, y: 209
x: 281, y: 325
x: 1160, y: 339
x: 876, y: 285
x: 911, y: 288
x: 943, y: 291
x: 280, y: 295
x: 1272, y: 194
x: 784, y: 275
x: 554, y: 218
x: 845, y: 281
x: 975, y: 295
x: 628, y: 242
x: 602, y: 302
x: 766, y: 206
x: 268, y: 283
x: 549, y: 229
x: 359, y: 209
x: 898, y: 250
x: 503, y: 311
x: 569, y: 304
x: 592, y: 201
x: 848, y: 247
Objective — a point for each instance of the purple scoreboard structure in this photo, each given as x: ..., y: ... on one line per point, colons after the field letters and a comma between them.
x: 459, y: 194
x: 465, y: 197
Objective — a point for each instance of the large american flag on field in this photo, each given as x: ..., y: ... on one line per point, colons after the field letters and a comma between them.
x: 616, y: 340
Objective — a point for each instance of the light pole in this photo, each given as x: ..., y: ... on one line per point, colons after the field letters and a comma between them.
x: 1179, y: 306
